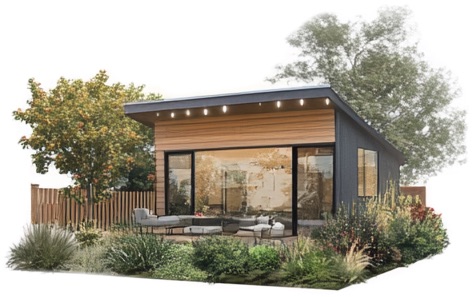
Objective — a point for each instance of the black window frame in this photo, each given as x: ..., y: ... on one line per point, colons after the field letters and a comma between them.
x: 192, y: 178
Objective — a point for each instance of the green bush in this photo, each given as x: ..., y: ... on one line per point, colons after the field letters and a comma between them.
x: 88, y: 235
x: 221, y: 255
x: 314, y: 267
x: 180, y: 265
x: 89, y: 259
x: 43, y: 247
x: 263, y: 257
x: 130, y: 253
x: 307, y: 263
x: 416, y: 233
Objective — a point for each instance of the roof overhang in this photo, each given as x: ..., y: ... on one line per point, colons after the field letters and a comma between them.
x: 319, y: 97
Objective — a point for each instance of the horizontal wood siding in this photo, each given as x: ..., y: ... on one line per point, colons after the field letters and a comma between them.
x: 160, y: 183
x: 266, y: 129
x: 231, y: 131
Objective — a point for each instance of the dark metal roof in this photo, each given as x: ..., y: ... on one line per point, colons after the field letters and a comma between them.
x: 144, y: 112
x: 228, y: 99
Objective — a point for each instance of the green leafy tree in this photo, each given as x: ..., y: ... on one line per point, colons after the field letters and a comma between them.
x: 80, y: 128
x: 377, y: 68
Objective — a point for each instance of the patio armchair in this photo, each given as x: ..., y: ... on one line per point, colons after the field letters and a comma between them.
x: 264, y: 227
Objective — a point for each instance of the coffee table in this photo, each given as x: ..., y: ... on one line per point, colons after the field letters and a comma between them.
x: 170, y: 229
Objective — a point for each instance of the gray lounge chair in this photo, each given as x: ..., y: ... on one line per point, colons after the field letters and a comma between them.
x: 142, y: 218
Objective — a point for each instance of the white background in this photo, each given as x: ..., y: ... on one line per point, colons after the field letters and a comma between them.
x: 187, y: 48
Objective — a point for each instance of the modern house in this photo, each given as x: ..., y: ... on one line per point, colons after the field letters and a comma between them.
x: 293, y: 154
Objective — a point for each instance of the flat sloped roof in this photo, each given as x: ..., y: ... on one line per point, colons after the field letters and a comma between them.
x: 145, y: 112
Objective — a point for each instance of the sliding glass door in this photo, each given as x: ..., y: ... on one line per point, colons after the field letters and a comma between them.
x: 179, y: 184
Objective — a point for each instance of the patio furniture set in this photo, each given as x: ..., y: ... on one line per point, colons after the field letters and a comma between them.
x: 261, y: 226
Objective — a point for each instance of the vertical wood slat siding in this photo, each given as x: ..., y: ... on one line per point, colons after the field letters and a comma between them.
x: 48, y: 206
x: 350, y: 137
x: 230, y: 131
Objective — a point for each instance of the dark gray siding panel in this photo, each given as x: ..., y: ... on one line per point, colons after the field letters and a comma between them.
x: 350, y: 137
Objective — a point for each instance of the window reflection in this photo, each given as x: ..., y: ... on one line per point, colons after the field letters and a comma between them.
x: 244, y: 182
x: 367, y: 173
x: 179, y: 186
x: 315, y: 183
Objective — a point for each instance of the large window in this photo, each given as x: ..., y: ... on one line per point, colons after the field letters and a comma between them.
x: 314, y: 183
x: 179, y: 184
x: 244, y: 182
x: 367, y: 173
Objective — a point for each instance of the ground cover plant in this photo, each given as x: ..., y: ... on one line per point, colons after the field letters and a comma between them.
x: 360, y: 241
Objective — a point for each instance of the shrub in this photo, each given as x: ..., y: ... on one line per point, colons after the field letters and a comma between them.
x: 306, y: 263
x: 89, y: 259
x: 316, y: 266
x: 88, y: 234
x: 180, y: 265
x: 264, y: 257
x: 130, y: 253
x: 392, y: 228
x: 359, y: 224
x: 43, y: 247
x: 221, y: 255
x: 417, y: 232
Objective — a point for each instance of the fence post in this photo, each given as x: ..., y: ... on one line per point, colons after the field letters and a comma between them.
x: 34, y: 202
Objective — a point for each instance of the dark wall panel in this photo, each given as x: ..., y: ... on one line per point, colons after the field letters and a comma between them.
x: 350, y: 137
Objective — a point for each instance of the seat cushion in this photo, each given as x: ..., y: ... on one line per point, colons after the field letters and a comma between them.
x: 161, y: 221
x: 203, y: 229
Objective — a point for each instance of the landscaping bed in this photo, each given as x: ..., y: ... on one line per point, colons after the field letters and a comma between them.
x: 368, y: 239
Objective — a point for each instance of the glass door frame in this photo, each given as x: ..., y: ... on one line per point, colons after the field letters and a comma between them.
x: 192, y: 178
x: 295, y: 180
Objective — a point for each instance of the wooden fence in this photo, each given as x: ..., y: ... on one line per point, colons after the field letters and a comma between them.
x: 419, y: 191
x: 49, y: 206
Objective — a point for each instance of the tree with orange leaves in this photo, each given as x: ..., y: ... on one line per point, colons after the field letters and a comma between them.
x: 80, y: 128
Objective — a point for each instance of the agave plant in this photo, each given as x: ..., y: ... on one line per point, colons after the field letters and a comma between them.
x: 43, y: 247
